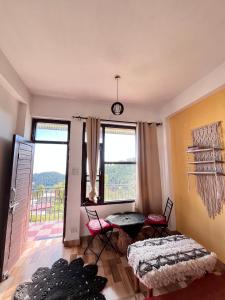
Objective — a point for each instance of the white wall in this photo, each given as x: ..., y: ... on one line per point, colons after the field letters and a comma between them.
x: 11, y: 82
x: 8, y: 117
x: 12, y: 90
x: 64, y: 109
x: 10, y: 113
x: 23, y: 124
x: 207, y: 85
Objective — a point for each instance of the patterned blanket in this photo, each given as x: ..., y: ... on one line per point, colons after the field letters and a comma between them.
x: 163, y: 261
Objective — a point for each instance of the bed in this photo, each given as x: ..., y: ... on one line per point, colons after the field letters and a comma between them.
x: 160, y: 262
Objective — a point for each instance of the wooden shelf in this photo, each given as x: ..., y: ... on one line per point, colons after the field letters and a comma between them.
x: 212, y: 160
x: 206, y: 162
x: 206, y: 173
x: 199, y: 149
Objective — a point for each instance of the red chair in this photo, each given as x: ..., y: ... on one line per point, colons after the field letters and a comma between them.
x: 98, y: 228
x: 160, y: 222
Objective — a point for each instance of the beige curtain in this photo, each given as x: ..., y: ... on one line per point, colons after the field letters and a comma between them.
x: 93, y: 131
x: 149, y: 198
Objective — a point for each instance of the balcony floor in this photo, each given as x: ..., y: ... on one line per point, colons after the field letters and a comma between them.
x: 45, y: 230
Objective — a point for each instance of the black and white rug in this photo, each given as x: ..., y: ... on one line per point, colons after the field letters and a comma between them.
x: 69, y: 281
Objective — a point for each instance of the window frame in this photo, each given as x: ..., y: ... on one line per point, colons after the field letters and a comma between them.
x: 51, y: 121
x: 67, y: 143
x: 102, y: 164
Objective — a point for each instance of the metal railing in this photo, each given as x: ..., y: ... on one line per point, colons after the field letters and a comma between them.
x: 47, y: 205
x: 116, y: 191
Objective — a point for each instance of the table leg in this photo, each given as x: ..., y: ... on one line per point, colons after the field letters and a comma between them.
x: 136, y: 285
x: 123, y: 241
x: 149, y: 293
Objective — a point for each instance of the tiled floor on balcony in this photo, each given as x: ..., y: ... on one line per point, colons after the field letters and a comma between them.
x: 45, y: 230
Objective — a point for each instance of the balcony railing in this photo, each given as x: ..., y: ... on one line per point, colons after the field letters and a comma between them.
x: 47, y: 205
x: 116, y: 191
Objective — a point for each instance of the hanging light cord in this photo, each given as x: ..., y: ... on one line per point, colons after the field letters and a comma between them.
x: 117, y: 88
x: 117, y: 77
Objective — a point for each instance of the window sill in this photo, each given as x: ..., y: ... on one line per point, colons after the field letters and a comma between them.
x: 108, y: 203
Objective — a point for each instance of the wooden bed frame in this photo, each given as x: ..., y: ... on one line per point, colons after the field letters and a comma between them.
x: 137, y: 287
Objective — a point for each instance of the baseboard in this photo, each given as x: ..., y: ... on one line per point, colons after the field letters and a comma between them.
x: 72, y: 243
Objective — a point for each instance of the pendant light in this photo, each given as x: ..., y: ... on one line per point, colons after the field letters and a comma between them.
x: 117, y: 107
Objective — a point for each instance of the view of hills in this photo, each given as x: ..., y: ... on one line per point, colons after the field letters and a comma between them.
x: 48, y: 179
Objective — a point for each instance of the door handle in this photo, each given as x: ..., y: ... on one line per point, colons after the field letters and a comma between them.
x: 13, y: 204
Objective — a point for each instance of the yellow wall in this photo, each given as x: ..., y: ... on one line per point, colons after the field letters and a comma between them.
x: 191, y: 215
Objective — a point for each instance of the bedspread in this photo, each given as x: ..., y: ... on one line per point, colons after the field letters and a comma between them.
x: 162, y: 261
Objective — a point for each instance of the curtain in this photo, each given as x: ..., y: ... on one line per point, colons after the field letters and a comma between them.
x: 149, y: 198
x: 93, y: 132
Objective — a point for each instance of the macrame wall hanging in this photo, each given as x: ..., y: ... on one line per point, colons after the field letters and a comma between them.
x: 207, y: 159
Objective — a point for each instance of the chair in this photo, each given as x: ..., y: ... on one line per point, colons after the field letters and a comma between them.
x: 160, y: 222
x: 98, y: 228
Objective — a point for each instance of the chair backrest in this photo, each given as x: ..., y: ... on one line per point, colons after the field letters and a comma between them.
x: 168, y: 209
x: 92, y: 215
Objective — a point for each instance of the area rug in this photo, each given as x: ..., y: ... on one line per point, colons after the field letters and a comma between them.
x: 69, y: 281
x: 210, y: 287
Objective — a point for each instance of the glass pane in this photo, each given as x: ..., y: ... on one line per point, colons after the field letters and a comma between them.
x: 120, y: 182
x: 119, y: 144
x: 48, y: 183
x: 53, y: 132
x: 50, y: 158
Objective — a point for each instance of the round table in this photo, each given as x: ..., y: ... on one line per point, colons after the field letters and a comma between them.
x: 129, y: 225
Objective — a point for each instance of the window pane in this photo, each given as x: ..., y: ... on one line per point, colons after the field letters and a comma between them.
x: 119, y: 144
x: 50, y: 158
x: 120, y: 182
x: 54, y: 132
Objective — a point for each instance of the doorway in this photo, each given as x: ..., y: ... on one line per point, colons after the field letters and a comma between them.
x: 49, y: 183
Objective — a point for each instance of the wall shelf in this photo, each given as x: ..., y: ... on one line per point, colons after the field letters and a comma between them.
x: 199, y: 164
x: 205, y: 166
x: 202, y: 149
x: 206, y: 173
x: 206, y: 162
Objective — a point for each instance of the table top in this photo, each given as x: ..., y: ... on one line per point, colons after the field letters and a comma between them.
x: 126, y: 219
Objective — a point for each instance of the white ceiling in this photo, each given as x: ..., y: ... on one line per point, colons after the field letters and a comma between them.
x: 73, y: 48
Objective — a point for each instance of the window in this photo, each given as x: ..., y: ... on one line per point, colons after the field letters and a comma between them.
x: 116, y: 176
x: 50, y: 131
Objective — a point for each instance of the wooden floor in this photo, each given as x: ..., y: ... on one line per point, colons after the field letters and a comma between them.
x: 111, y: 265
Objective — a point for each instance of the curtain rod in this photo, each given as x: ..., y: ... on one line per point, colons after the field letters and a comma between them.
x: 105, y: 120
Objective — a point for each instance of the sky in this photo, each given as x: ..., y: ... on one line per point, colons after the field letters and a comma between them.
x: 49, y: 158
x: 52, y: 157
x: 119, y: 147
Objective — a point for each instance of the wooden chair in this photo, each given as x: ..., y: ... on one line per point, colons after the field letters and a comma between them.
x: 160, y: 222
x: 98, y: 228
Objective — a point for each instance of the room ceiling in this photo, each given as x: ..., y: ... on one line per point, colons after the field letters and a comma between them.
x: 73, y: 48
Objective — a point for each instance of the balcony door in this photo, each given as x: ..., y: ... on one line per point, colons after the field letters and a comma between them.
x: 17, y: 208
x: 49, y: 184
